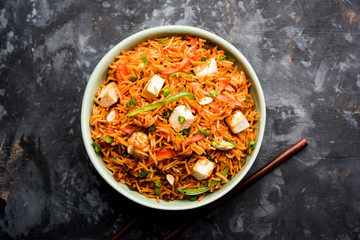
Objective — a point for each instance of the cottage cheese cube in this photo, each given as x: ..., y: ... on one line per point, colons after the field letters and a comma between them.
x: 209, y: 70
x: 174, y: 118
x: 108, y: 95
x: 237, y: 122
x: 202, y: 169
x: 153, y: 87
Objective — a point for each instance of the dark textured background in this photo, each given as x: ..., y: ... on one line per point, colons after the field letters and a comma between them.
x: 306, y: 55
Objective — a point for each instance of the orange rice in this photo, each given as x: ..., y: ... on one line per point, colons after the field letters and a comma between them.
x: 170, y: 153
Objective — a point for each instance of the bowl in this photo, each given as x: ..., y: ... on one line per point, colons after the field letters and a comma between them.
x: 99, y: 75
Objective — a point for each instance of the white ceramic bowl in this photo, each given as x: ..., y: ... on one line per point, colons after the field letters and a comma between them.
x: 99, y: 75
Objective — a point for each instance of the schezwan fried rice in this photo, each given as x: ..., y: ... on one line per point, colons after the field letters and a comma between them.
x: 174, y: 118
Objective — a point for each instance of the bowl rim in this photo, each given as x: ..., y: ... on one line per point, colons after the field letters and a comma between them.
x: 88, y: 102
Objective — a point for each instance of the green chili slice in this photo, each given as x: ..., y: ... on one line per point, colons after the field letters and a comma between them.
x: 213, y: 93
x: 205, y: 188
x: 163, y: 102
x: 96, y: 147
x: 181, y: 119
x: 251, y: 144
x: 166, y: 91
x: 133, y: 78
x: 162, y: 41
x: 177, y: 75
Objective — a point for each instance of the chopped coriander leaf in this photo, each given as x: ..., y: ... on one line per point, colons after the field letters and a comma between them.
x: 201, y: 131
x: 166, y: 115
x: 133, y: 78
x: 251, y: 144
x: 207, y: 133
x: 168, y: 60
x: 157, y: 183
x: 143, y: 173
x: 152, y: 128
x: 186, y: 131
x: 108, y: 139
x: 179, y: 134
x: 166, y: 91
x: 213, y: 93
x: 157, y: 191
x: 96, y: 147
x: 162, y: 41
x: 181, y: 119
x: 194, y: 198
x: 144, y: 59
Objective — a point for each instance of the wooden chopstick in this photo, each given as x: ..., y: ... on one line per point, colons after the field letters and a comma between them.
x: 243, y: 184
x: 248, y: 181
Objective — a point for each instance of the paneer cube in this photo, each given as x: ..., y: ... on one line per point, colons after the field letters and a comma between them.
x: 237, y: 122
x: 153, y: 87
x: 108, y: 95
x: 185, y: 114
x: 202, y: 169
x: 209, y: 70
x: 138, y: 144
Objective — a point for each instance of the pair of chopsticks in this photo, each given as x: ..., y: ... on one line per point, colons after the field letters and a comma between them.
x: 248, y: 181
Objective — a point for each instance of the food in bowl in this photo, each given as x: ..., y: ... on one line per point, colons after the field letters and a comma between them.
x: 174, y: 119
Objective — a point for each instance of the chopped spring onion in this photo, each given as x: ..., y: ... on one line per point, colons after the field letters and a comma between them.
x: 143, y: 173
x: 201, y: 131
x: 213, y: 93
x: 152, y: 128
x: 157, y: 191
x: 251, y: 144
x: 207, y: 133
x: 194, y: 198
x: 181, y: 119
x: 168, y: 60
x: 96, y: 147
x: 162, y: 41
x: 222, y: 58
x: 131, y: 102
x: 133, y: 78
x: 108, y: 139
x: 144, y: 59
x: 166, y: 91
x: 163, y: 102
x: 157, y: 183
x: 114, y: 157
x: 203, y: 59
x: 179, y: 134
x: 186, y: 131
x: 166, y: 114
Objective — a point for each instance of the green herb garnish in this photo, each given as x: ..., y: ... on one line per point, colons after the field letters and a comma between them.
x: 152, y: 128
x: 96, y: 147
x: 177, y: 74
x: 157, y: 191
x: 247, y: 99
x: 144, y: 59
x: 186, y: 131
x: 157, y: 183
x: 201, y: 131
x: 213, y: 93
x: 251, y: 144
x: 162, y: 41
x: 131, y: 102
x: 207, y: 133
x: 179, y: 134
x: 166, y: 91
x: 194, y: 198
x: 143, y: 173
x: 133, y: 78
x: 166, y: 114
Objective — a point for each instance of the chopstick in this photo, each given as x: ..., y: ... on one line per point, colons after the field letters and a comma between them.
x: 243, y: 184
x: 248, y: 181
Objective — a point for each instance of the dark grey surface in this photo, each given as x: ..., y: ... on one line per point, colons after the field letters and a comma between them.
x: 306, y: 55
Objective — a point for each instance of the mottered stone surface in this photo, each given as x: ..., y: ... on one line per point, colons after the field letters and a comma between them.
x: 306, y: 55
